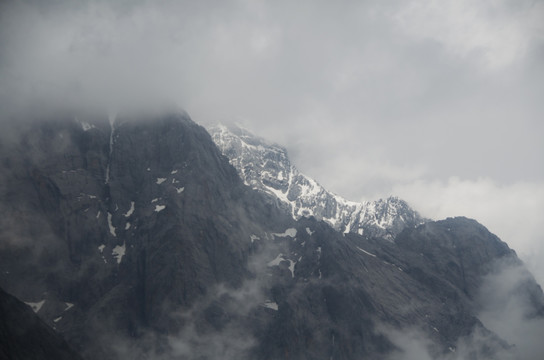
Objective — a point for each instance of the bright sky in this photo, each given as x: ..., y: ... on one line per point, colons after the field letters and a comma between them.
x: 438, y: 102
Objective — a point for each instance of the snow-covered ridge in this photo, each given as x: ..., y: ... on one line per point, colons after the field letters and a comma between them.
x: 266, y: 167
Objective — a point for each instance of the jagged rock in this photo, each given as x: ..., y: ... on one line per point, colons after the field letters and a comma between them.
x: 138, y: 239
x: 24, y: 336
x: 266, y: 167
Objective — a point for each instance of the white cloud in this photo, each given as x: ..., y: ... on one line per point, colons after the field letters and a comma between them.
x: 497, y: 32
x: 364, y: 95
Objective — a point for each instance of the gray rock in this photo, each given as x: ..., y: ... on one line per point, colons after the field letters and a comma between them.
x: 140, y: 240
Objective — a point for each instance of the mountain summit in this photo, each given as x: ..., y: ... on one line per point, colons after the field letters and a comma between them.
x: 266, y: 167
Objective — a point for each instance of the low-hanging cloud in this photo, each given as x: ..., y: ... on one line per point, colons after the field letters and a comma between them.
x: 509, y: 306
x: 370, y: 98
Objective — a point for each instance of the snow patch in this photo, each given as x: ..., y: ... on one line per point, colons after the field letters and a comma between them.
x: 254, y: 237
x: 160, y: 180
x: 276, y: 261
x: 291, y: 232
x: 366, y: 252
x: 180, y: 190
x: 281, y: 258
x: 310, y: 232
x: 112, y: 132
x: 154, y: 200
x: 112, y: 228
x: 127, y: 226
x: 131, y: 210
x: 118, y: 252
x: 68, y: 306
x: 270, y: 305
x: 101, y: 248
x: 57, y: 319
x: 174, y: 172
x: 292, y: 267
x: 36, y: 306
x: 86, y: 126
x: 98, y: 214
x: 159, y: 208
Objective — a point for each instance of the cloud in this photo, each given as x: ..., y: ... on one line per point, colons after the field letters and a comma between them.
x: 370, y: 98
x: 495, y: 32
x: 509, y: 312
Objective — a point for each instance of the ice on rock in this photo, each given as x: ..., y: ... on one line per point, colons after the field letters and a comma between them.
x: 118, y: 252
x: 270, y: 305
x: 276, y: 261
x: 131, y: 210
x: 112, y: 228
x: 36, y: 306
x: 86, y: 126
x: 292, y: 267
x: 281, y: 258
x: 291, y: 232
x: 366, y: 252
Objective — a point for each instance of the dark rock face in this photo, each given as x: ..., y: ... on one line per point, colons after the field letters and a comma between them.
x: 139, y: 240
x: 24, y: 336
x: 126, y: 220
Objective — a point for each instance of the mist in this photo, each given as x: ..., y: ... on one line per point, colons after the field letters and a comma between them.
x: 370, y: 99
x: 506, y: 308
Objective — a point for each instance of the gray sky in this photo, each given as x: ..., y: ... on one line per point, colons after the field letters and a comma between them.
x: 439, y: 102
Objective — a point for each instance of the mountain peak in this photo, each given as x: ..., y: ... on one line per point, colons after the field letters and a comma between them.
x: 266, y: 167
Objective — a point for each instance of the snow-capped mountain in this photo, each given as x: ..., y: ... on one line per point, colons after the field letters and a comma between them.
x: 266, y: 167
x: 134, y: 238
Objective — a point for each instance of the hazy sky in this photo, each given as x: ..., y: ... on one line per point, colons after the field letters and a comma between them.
x: 439, y: 102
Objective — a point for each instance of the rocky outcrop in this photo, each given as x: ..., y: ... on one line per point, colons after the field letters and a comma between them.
x: 125, y: 220
x: 23, y: 336
x: 266, y: 168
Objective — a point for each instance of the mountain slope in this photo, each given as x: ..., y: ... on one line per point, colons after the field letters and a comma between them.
x: 136, y: 239
x: 266, y: 167
x: 24, y: 336
x: 126, y: 220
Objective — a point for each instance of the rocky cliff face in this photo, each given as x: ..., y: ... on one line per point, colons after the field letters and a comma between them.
x: 23, y: 336
x: 135, y: 238
x: 266, y: 167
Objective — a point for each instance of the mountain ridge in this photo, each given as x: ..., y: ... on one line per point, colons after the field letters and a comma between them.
x: 266, y: 167
x: 174, y: 257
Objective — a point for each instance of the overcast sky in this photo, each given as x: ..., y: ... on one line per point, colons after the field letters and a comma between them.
x: 438, y: 102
